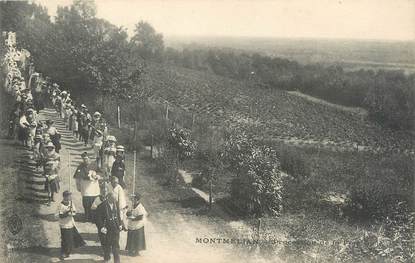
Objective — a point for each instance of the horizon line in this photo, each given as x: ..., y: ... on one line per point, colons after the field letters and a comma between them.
x: 293, y: 38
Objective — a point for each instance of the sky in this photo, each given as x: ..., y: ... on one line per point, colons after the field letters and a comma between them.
x: 351, y: 19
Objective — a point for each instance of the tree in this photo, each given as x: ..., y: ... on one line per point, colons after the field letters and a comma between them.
x: 258, y: 185
x: 391, y: 99
x: 148, y: 43
x: 87, y: 9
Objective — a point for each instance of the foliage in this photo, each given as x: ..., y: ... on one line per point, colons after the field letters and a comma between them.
x: 258, y: 184
x: 388, y: 95
x: 180, y: 141
x: 392, y: 242
x: 391, y: 99
x: 147, y: 42
x: 294, y: 163
x: 79, y: 51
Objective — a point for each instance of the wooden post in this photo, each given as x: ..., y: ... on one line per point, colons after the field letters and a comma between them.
x: 259, y: 228
x: 210, y: 192
x: 151, y: 146
x: 135, y: 131
x: 167, y: 112
x: 69, y: 170
x: 119, y: 116
x: 193, y: 120
x: 134, y: 172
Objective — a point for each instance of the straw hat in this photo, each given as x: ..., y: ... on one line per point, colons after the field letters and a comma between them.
x: 120, y: 148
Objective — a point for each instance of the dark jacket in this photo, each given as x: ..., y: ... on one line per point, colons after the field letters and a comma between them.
x: 118, y: 168
x: 108, y: 217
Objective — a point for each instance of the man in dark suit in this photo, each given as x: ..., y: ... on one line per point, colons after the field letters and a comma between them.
x: 107, y: 218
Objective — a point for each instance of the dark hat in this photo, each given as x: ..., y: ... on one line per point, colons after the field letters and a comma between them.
x: 66, y: 193
x: 84, y: 154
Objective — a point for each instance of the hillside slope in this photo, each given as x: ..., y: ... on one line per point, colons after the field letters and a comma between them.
x: 267, y: 113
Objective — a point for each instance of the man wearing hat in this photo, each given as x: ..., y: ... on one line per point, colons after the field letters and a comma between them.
x: 87, y: 182
x: 118, y: 167
x: 108, y: 222
x: 70, y: 237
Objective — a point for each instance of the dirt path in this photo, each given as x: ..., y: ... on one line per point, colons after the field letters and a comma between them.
x: 176, y: 219
x: 356, y: 110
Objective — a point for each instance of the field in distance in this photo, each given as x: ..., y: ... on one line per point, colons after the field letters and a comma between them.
x: 266, y: 113
x: 351, y: 54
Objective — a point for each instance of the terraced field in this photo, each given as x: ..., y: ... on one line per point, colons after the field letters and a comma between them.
x: 271, y: 114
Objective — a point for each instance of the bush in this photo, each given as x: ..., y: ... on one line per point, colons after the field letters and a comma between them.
x: 294, y: 163
x: 258, y: 185
x: 392, y: 242
x: 180, y: 141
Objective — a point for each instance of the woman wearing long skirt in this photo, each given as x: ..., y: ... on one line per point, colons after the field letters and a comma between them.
x: 70, y: 237
x: 136, y: 240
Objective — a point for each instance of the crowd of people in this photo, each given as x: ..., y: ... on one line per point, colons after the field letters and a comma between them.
x: 100, y: 181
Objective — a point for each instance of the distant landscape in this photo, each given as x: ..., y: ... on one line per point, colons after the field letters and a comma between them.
x: 317, y: 135
x: 351, y: 54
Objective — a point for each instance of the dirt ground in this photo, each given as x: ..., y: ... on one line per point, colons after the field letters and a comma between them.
x: 177, y: 221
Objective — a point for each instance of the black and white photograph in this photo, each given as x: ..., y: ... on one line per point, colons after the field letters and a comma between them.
x: 207, y: 131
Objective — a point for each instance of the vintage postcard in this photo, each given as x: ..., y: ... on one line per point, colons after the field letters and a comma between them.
x: 207, y: 131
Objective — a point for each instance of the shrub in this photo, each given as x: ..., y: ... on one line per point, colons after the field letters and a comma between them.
x: 258, y: 185
x: 296, y: 184
x: 294, y: 163
x: 392, y: 242
x: 181, y: 142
